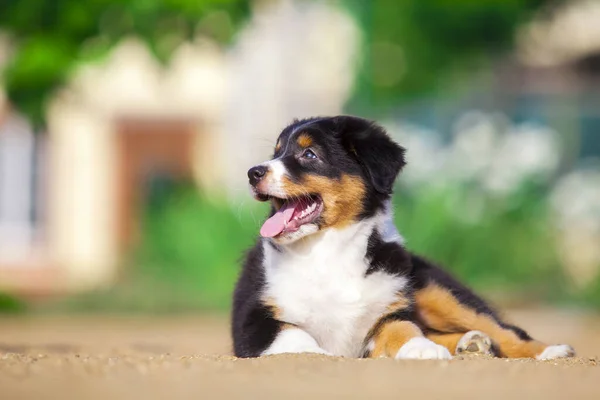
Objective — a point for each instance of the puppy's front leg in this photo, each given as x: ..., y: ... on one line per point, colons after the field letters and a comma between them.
x: 292, y: 339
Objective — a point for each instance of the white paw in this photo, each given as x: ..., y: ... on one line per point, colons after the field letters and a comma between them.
x: 421, y: 348
x: 556, y: 351
x: 294, y: 340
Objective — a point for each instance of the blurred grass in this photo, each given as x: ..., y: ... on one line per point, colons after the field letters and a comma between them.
x: 191, y: 248
x: 494, y: 244
x: 10, y: 304
x: 188, y: 258
x: 589, y: 297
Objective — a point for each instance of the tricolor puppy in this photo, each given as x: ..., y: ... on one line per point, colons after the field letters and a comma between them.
x: 330, y: 274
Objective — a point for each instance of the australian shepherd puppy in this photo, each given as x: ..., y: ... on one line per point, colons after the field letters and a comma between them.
x: 330, y: 274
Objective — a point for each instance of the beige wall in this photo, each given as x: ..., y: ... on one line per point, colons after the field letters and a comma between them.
x: 83, y: 124
x: 81, y: 203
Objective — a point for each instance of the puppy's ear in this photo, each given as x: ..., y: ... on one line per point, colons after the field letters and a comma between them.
x: 381, y: 157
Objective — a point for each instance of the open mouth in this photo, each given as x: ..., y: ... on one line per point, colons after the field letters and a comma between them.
x: 291, y: 215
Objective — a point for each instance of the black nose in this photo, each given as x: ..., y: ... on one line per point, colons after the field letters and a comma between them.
x: 255, y: 174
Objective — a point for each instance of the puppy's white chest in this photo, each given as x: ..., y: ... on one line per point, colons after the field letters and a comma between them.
x: 329, y: 295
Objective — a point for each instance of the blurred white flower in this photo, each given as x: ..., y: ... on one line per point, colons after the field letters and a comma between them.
x: 576, y: 204
x: 526, y: 151
x: 474, y: 145
x: 576, y: 199
x: 485, y: 148
x: 425, y: 154
x: 498, y: 157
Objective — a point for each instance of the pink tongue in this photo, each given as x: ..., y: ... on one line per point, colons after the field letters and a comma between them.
x: 276, y: 224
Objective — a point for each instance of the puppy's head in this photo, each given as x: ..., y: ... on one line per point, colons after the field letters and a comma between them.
x: 325, y: 173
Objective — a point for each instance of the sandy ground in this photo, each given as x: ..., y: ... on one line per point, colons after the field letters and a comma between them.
x: 96, y: 357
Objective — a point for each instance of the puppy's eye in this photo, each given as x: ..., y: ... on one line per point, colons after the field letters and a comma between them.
x: 309, y: 154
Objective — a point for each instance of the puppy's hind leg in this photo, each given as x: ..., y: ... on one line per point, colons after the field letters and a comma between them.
x: 441, y: 310
x: 395, y: 335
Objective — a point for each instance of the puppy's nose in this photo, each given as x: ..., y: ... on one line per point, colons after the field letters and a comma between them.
x: 255, y: 174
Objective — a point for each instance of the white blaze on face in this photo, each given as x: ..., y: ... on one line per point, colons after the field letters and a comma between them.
x: 274, y: 179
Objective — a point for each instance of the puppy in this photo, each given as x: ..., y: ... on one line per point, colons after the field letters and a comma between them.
x: 330, y: 274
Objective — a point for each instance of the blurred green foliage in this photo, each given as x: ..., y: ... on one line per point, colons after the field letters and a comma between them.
x: 51, y: 37
x: 588, y: 297
x: 414, y: 46
x: 10, y: 304
x: 503, y: 244
x: 189, y: 253
x: 188, y: 257
x: 411, y: 46
x: 193, y: 245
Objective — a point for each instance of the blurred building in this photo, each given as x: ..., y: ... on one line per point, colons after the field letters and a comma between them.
x: 70, y: 197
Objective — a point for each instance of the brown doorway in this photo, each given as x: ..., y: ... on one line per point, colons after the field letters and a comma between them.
x: 148, y: 150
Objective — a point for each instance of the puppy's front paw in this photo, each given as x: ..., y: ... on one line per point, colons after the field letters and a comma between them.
x: 420, y: 348
x: 296, y: 349
x: 556, y: 351
x: 294, y: 340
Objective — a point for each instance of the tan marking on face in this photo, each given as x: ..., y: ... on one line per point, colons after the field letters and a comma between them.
x: 392, y: 336
x: 278, y: 146
x: 342, y: 199
x: 440, y: 310
x: 304, y: 140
